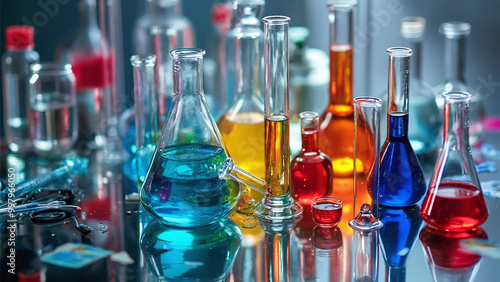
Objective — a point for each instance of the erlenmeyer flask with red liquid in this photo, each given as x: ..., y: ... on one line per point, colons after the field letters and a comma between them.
x: 454, y: 200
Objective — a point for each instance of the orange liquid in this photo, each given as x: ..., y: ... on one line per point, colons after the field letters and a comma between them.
x: 277, y: 155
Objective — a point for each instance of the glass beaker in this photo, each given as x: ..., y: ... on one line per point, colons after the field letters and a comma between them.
x: 456, y: 34
x: 242, y: 124
x: 402, y: 182
x: 53, y: 114
x: 425, y: 119
x: 454, y: 200
x: 311, y: 170
x: 182, y: 187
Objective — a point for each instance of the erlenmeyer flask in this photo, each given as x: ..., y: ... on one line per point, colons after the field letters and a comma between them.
x: 182, y: 187
x: 402, y: 182
x: 455, y: 201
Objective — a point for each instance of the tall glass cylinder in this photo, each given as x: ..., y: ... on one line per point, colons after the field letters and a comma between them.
x: 278, y: 202
x: 402, y: 182
x: 164, y: 40
x: 366, y: 175
x: 146, y: 112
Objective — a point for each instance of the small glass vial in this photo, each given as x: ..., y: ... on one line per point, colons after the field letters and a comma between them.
x: 311, y: 170
x: 15, y: 74
x: 454, y: 200
x: 53, y: 114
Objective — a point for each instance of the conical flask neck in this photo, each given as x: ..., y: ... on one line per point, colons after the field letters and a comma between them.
x: 188, y: 74
x: 456, y: 122
x: 88, y: 17
x: 248, y: 14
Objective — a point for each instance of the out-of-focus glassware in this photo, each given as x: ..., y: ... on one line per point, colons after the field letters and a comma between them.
x: 397, y: 237
x: 328, y: 249
x: 308, y: 82
x: 246, y: 22
x: 454, y: 200
x: 337, y: 122
x: 425, y: 119
x: 311, y: 170
x: 447, y: 260
x: 456, y: 34
x: 200, y: 254
x: 402, y: 182
x: 182, y: 187
x: 53, y: 113
x: 367, y: 158
x: 83, y: 50
x: 16, y: 60
x: 162, y: 13
x: 365, y: 245
x: 242, y: 124
x: 146, y: 113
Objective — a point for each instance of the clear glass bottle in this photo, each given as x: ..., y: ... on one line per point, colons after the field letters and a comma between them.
x: 16, y: 61
x: 402, y: 182
x: 246, y: 21
x: 311, y: 171
x: 146, y: 112
x: 309, y: 78
x: 425, y: 119
x: 337, y: 122
x: 454, y: 200
x: 447, y: 259
x: 83, y: 50
x: 456, y: 34
x: 182, y: 187
x: 242, y: 124
x: 53, y: 113
x: 397, y: 237
x: 161, y: 13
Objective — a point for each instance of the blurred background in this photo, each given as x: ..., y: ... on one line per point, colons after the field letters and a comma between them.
x: 378, y: 28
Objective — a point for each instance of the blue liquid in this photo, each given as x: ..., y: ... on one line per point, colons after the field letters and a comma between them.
x: 200, y: 254
x: 402, y: 182
x: 182, y: 187
x: 397, y: 236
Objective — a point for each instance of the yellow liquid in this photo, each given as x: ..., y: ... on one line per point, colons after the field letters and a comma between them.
x: 243, y: 135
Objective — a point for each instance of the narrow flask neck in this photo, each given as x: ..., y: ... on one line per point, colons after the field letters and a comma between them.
x: 310, y: 142
x: 455, y: 59
x: 88, y: 14
x: 341, y: 20
x: 456, y: 123
x: 416, y: 46
x: 164, y: 7
x: 247, y: 14
x: 248, y: 66
x: 188, y: 75
x: 399, y: 84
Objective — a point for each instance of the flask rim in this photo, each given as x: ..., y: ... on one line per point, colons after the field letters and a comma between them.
x: 457, y: 96
x: 187, y: 53
x: 399, y: 52
x: 455, y: 29
x: 146, y: 60
x: 276, y: 20
x: 342, y: 4
x: 50, y: 68
x: 412, y: 27
x: 366, y: 101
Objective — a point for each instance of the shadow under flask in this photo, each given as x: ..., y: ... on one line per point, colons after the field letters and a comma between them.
x: 454, y: 200
x: 182, y: 187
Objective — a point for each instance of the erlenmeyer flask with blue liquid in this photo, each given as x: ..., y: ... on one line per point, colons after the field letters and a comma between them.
x: 182, y: 187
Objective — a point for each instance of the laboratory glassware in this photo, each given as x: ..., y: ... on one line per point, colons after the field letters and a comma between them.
x: 83, y: 50
x: 242, y: 124
x: 162, y: 13
x: 53, y: 113
x: 16, y: 60
x: 367, y: 156
x: 456, y: 34
x: 402, y: 182
x: 311, y: 170
x: 446, y: 257
x: 146, y: 113
x: 328, y: 247
x: 365, y: 244
x: 245, y: 22
x: 337, y: 122
x: 326, y: 211
x: 454, y: 200
x: 397, y: 237
x: 425, y: 120
x: 182, y: 187
x: 170, y: 251
x: 309, y: 78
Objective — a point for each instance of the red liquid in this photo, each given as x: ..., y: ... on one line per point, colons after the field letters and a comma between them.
x: 327, y: 214
x: 91, y: 72
x: 454, y: 206
x: 311, y: 172
x: 444, y: 249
